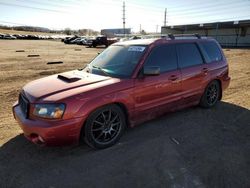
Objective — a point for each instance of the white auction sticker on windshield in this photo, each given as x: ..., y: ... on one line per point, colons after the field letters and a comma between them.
x: 136, y: 48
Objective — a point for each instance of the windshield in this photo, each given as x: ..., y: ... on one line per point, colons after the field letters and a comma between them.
x: 117, y: 61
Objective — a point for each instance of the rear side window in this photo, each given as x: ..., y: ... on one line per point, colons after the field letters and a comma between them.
x: 164, y: 57
x: 189, y: 55
x: 212, y: 50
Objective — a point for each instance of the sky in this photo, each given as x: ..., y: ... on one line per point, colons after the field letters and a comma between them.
x: 103, y: 14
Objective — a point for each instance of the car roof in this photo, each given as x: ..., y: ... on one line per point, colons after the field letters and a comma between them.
x: 177, y: 39
x: 136, y: 42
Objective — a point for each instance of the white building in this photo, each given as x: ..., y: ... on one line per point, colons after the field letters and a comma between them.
x: 228, y: 34
x: 115, y: 32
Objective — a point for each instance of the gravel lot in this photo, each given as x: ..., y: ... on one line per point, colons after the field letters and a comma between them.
x: 190, y: 148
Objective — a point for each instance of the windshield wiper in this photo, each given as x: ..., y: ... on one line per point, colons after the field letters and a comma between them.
x: 101, y: 69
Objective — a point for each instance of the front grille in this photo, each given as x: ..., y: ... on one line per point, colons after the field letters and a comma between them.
x: 24, y: 105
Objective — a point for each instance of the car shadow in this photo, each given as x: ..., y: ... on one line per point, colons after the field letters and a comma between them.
x: 194, y: 147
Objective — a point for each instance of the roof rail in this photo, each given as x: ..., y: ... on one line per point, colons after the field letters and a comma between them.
x: 172, y: 36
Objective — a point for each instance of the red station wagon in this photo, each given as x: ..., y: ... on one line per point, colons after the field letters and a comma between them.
x: 128, y: 83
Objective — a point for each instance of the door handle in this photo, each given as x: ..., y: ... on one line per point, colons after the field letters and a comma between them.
x: 173, y: 77
x: 205, y: 70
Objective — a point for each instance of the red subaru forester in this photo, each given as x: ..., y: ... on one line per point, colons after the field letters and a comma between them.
x: 127, y: 84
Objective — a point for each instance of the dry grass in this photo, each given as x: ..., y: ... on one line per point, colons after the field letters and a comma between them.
x: 239, y: 70
x: 16, y: 69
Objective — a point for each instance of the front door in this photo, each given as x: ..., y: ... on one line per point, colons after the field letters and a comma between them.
x: 154, y: 95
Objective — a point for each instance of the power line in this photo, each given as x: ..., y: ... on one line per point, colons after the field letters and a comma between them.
x: 217, y: 20
x: 153, y: 5
x: 206, y: 11
x: 189, y: 7
x: 201, y: 14
x: 14, y: 23
x: 37, y: 8
x: 200, y: 11
x: 181, y: 9
x: 51, y: 4
x: 23, y: 24
x: 203, y: 11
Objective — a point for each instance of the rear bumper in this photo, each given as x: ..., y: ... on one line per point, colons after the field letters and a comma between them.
x: 49, y: 133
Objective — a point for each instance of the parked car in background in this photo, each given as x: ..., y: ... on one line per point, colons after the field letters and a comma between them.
x: 128, y: 83
x: 67, y: 40
x: 75, y: 41
x: 32, y: 37
x: 18, y: 36
x: 101, y: 41
x: 135, y: 38
x: 83, y: 41
x: 10, y: 37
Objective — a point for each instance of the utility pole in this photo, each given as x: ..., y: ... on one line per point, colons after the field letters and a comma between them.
x: 165, y: 18
x: 123, y: 18
x: 140, y: 28
x: 157, y: 28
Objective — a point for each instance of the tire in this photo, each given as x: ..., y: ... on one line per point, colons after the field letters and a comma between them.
x: 104, y: 127
x: 211, y: 95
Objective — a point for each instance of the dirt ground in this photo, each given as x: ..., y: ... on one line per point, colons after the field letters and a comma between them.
x: 190, y: 148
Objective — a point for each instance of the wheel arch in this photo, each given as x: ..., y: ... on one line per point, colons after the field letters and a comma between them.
x: 119, y: 104
x: 125, y: 111
x: 220, y: 84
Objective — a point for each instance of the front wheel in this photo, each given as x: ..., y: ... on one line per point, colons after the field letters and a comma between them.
x: 104, y: 127
x: 211, y: 95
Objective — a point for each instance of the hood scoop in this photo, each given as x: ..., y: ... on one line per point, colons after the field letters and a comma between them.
x: 68, y: 77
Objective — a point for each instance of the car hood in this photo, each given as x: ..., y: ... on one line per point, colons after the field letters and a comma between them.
x: 63, y: 84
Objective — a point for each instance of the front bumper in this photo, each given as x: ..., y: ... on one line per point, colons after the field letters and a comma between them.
x: 49, y: 133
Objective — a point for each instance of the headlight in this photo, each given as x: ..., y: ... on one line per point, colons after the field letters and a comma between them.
x: 51, y: 111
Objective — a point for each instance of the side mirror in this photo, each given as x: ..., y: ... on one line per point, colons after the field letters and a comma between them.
x: 151, y: 71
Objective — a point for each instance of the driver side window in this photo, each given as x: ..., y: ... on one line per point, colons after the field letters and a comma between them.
x: 163, y: 56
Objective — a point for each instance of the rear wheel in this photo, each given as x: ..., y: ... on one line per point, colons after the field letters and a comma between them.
x: 104, y: 126
x: 211, y: 95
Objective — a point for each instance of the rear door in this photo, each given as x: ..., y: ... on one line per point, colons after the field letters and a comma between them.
x: 193, y: 71
x: 213, y: 56
x: 153, y: 93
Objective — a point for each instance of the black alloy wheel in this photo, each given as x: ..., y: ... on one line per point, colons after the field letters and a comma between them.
x: 104, y: 127
x: 211, y: 95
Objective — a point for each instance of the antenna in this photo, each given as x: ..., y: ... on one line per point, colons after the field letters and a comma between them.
x: 123, y: 18
x: 165, y: 18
